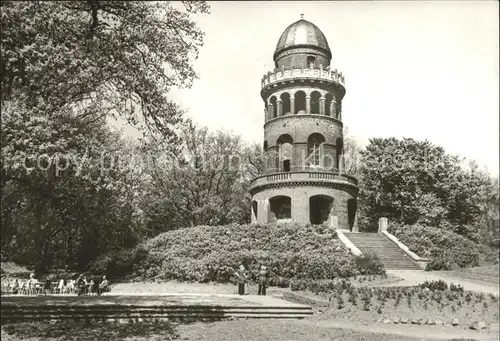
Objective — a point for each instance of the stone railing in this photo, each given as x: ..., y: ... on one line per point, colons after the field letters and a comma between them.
x: 279, y: 75
x: 353, y: 248
x: 279, y: 176
x: 304, y: 176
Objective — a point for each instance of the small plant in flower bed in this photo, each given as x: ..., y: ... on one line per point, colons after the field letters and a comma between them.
x: 212, y: 253
x: 413, y: 303
x: 434, y: 285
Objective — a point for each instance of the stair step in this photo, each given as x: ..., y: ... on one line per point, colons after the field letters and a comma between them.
x: 389, y: 254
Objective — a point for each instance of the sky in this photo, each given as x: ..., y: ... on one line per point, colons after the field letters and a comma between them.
x: 426, y: 70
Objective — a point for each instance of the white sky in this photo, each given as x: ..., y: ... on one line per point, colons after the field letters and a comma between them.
x: 427, y: 70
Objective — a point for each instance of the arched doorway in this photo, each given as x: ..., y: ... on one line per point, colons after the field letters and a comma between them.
x: 255, y: 206
x: 352, y: 207
x: 320, y: 207
x: 281, y: 208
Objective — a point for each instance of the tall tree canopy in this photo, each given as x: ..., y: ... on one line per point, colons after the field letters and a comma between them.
x: 66, y: 68
x: 412, y: 181
x: 99, y: 58
x: 205, y: 184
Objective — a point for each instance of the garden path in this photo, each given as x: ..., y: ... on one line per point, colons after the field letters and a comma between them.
x: 415, y: 277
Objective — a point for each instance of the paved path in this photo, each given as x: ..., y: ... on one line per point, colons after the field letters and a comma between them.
x: 424, y: 332
x: 415, y: 277
x: 149, y: 299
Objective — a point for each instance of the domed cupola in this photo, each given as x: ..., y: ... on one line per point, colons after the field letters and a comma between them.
x: 301, y: 44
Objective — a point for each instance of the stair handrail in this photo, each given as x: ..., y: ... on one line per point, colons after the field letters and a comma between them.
x: 403, y: 247
x: 347, y: 242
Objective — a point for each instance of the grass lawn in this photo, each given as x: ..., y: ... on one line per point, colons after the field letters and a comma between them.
x: 242, y: 330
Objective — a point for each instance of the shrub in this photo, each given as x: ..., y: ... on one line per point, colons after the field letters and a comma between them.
x: 119, y: 263
x: 434, y: 285
x: 369, y: 264
x: 212, y: 253
x: 444, y: 247
x: 456, y: 288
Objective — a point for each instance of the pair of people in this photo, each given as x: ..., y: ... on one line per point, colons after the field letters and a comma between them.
x: 243, y: 278
x: 85, y: 287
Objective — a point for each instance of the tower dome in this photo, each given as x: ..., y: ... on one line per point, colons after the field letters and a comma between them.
x: 305, y: 38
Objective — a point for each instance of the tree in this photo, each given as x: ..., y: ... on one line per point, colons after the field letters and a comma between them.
x: 99, y: 58
x: 412, y: 181
x: 352, y: 155
x: 66, y: 68
x: 206, y: 184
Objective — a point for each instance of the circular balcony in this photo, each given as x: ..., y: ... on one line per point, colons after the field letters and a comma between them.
x: 312, y: 178
x: 273, y: 78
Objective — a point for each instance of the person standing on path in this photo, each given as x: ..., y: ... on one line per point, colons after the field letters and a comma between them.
x: 242, y: 279
x: 262, y: 280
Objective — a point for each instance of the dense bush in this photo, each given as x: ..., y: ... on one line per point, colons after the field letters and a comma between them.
x: 369, y: 264
x: 213, y: 253
x: 119, y: 263
x: 434, y: 285
x: 445, y: 248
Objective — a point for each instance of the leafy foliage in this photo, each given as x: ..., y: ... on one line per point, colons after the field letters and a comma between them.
x: 67, y: 68
x: 212, y: 253
x: 445, y: 248
x: 411, y: 181
x: 369, y: 264
x: 439, y: 285
x: 206, y: 184
x: 99, y: 58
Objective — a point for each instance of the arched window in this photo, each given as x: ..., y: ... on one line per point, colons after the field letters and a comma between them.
x: 328, y: 104
x: 281, y: 207
x: 338, y: 110
x: 315, y: 96
x: 285, y: 150
x: 285, y: 102
x: 300, y: 102
x: 310, y: 60
x: 320, y: 207
x: 274, y: 103
x: 315, y: 146
x: 265, y: 146
x: 339, y: 149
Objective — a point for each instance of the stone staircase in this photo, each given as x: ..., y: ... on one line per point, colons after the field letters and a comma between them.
x: 23, y: 309
x: 391, y: 256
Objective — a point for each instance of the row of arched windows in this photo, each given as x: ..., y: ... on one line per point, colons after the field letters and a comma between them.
x: 321, y: 207
x: 315, y: 151
x: 300, y: 103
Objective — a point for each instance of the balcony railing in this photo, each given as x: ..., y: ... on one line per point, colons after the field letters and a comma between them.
x: 279, y: 75
x: 304, y: 176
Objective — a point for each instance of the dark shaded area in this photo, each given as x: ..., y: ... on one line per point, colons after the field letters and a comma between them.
x: 319, y: 208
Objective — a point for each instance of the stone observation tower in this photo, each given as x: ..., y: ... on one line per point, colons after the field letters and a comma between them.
x: 303, y: 139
